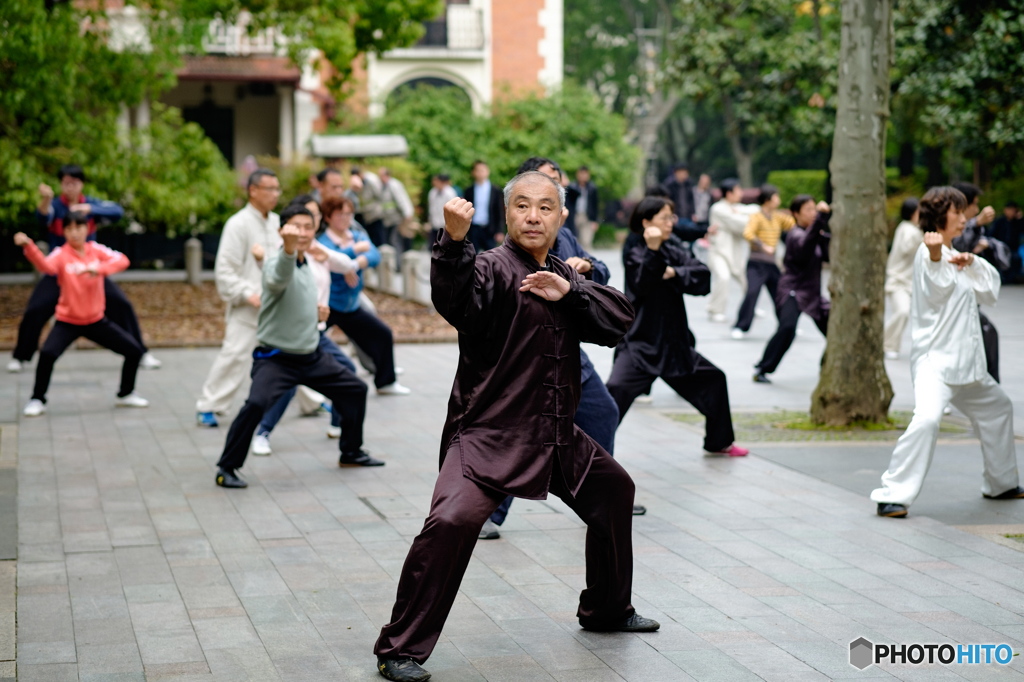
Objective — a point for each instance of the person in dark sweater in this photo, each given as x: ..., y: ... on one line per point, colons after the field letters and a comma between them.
x: 799, y: 289
x: 659, y: 343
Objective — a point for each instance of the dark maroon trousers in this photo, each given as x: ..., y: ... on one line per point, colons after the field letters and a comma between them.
x: 440, y: 554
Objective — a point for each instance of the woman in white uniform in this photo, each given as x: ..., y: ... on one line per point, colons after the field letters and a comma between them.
x: 947, y: 361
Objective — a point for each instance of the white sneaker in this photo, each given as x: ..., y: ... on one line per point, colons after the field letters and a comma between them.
x: 15, y: 366
x: 489, y: 531
x: 133, y: 399
x: 261, y: 445
x: 34, y: 408
x: 334, y: 432
x: 737, y: 334
x: 759, y: 313
x: 645, y: 399
x: 892, y: 355
x: 148, y: 361
x: 393, y: 389
x: 718, y: 318
x: 399, y: 371
x: 947, y: 410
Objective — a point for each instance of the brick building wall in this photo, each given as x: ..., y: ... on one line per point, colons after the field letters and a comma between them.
x: 516, y: 32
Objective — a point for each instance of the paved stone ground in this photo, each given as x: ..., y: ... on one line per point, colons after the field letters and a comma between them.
x: 133, y: 565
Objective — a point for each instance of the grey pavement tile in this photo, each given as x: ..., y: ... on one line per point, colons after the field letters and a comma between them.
x: 159, y: 647
x: 104, y: 631
x: 711, y: 665
x: 97, y: 659
x: 35, y: 653
x: 226, y: 633
x: 511, y: 668
x: 30, y: 672
x: 641, y: 664
x: 242, y: 665
x: 161, y: 615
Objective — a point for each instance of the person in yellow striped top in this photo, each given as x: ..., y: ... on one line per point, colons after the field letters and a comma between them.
x: 763, y: 232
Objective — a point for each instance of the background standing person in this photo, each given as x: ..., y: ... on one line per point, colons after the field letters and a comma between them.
x: 899, y: 275
x: 371, y: 204
x: 332, y: 185
x: 52, y: 212
x: 80, y: 267
x: 489, y: 219
x: 702, y: 200
x: 239, y: 285
x: 581, y: 200
x: 800, y: 286
x: 1008, y: 228
x: 680, y: 191
x: 727, y: 252
x: 947, y: 362
x: 974, y: 240
x: 659, y: 343
x: 398, y: 211
x: 763, y: 231
x: 441, y: 192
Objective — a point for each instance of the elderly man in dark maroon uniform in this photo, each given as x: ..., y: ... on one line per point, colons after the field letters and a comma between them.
x: 521, y: 314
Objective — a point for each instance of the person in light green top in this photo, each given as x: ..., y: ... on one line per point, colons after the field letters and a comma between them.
x: 289, y: 354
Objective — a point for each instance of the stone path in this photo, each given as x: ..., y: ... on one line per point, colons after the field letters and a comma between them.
x: 133, y: 565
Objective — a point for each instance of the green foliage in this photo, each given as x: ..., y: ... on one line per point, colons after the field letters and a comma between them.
x: 961, y: 61
x: 770, y: 65
x: 570, y: 126
x: 793, y: 182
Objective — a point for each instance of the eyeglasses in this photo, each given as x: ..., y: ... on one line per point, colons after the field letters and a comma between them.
x: 273, y: 190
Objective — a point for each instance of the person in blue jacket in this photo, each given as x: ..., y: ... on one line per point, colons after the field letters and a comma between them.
x: 597, y: 414
x: 51, y: 213
x: 364, y: 328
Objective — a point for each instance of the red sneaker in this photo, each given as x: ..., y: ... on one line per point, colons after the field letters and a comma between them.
x: 733, y: 451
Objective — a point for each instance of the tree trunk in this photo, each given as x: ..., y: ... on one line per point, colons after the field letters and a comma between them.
x: 744, y: 157
x: 853, y: 384
x: 647, y: 127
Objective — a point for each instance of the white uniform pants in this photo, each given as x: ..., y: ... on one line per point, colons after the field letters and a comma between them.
x: 232, y: 364
x: 899, y: 302
x: 991, y: 413
x: 721, y: 272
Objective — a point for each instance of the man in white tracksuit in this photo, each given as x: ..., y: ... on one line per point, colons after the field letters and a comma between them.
x: 239, y: 283
x: 727, y: 256
x: 947, y: 360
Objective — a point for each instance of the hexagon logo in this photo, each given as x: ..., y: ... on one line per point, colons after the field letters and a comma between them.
x: 861, y: 653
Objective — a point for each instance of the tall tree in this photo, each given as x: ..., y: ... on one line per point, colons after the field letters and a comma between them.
x: 768, y: 65
x: 853, y: 384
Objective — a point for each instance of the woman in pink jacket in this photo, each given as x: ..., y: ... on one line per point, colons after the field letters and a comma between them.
x: 80, y: 267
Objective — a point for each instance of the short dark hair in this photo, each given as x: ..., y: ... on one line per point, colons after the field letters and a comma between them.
x: 646, y: 210
x: 658, y: 190
x: 682, y: 165
x: 477, y: 163
x: 292, y: 210
x: 582, y: 168
x: 336, y: 204
x: 258, y: 175
x: 970, y: 191
x: 798, y: 202
x: 728, y: 185
x: 72, y: 169
x: 535, y: 162
x: 302, y: 200
x: 1012, y: 204
x: 443, y: 177
x: 909, y: 208
x: 75, y: 218
x: 935, y: 204
x: 322, y: 175
x: 768, y: 190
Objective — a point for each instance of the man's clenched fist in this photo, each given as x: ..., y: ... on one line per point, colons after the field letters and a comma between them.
x: 458, y: 217
x: 290, y: 237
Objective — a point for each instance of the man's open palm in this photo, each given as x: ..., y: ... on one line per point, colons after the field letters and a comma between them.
x: 547, y: 285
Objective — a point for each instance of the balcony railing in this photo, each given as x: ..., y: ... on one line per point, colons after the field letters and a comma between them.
x: 234, y: 39
x: 462, y: 28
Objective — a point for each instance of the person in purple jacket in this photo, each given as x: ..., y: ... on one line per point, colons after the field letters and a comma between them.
x: 51, y: 213
x: 800, y: 286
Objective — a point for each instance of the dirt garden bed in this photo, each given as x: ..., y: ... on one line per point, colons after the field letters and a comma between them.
x: 176, y: 314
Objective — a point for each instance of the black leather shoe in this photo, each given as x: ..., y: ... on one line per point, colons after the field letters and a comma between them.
x: 635, y: 623
x: 1011, y: 494
x: 359, y: 459
x: 228, y: 479
x: 893, y: 511
x: 401, y: 670
x: 761, y: 378
x: 639, y: 510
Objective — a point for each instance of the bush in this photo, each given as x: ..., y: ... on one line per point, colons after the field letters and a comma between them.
x: 793, y: 182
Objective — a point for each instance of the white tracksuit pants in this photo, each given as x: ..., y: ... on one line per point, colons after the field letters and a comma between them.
x: 722, y: 270
x: 899, y: 302
x: 991, y: 413
x: 233, y: 362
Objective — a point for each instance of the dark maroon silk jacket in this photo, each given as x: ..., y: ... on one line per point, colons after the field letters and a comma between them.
x: 510, y: 415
